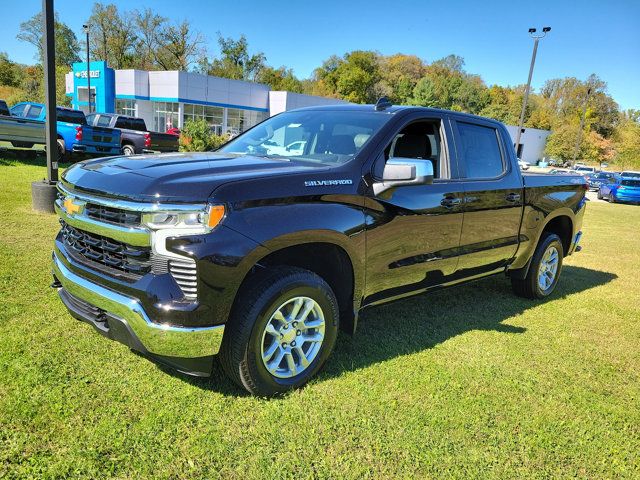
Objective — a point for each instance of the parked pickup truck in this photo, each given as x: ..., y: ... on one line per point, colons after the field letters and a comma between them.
x: 136, y: 138
x: 262, y: 257
x: 19, y: 131
x: 74, y: 134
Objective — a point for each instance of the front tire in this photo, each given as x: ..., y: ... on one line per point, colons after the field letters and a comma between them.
x: 544, y: 271
x: 282, y: 330
x: 599, y: 195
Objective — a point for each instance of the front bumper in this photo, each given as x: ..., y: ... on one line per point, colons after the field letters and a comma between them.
x: 123, y: 318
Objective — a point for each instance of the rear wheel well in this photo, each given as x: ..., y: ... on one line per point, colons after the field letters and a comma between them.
x: 327, y: 260
x: 563, y: 227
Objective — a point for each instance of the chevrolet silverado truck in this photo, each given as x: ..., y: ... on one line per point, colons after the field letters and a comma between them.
x: 136, y: 138
x: 20, y: 132
x: 74, y: 134
x: 261, y: 258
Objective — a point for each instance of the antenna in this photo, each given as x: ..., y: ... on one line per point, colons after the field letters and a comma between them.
x: 382, y: 104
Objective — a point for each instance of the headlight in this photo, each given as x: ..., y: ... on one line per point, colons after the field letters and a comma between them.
x: 206, y: 219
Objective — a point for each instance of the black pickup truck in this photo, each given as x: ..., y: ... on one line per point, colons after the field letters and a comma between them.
x: 135, y: 138
x: 261, y: 253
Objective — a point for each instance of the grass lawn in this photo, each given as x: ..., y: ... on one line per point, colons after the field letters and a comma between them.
x: 469, y: 382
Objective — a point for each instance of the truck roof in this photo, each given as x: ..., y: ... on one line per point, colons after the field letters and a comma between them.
x: 351, y: 107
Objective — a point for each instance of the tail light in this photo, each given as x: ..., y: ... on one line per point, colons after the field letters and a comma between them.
x: 147, y: 140
x: 79, y: 133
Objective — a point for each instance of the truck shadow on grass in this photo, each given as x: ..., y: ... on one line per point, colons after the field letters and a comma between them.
x: 424, y: 321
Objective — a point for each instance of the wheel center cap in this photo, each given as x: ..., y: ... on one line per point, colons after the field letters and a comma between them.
x: 289, y: 335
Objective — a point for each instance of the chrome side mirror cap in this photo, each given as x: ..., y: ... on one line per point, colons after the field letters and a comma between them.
x: 400, y: 171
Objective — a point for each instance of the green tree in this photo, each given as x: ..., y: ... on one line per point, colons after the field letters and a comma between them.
x: 399, y: 76
x: 626, y: 140
x: 235, y: 61
x: 353, y: 77
x: 66, y: 42
x: 112, y: 36
x: 280, y: 79
x: 10, y: 73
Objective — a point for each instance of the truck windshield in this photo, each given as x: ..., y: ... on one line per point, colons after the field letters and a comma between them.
x: 332, y: 137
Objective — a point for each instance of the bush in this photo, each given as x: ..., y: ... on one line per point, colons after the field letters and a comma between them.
x: 196, y: 136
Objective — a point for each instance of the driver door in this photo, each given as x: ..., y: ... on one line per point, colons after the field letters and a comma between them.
x: 413, y: 231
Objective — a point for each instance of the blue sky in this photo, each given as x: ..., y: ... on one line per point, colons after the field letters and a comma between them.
x: 601, y: 37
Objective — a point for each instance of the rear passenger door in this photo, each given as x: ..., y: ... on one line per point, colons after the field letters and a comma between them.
x: 493, y: 196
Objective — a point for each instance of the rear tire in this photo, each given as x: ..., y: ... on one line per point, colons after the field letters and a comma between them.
x: 544, y: 271
x: 128, y: 150
x: 263, y: 349
x: 599, y: 195
x: 612, y: 198
x: 61, y: 150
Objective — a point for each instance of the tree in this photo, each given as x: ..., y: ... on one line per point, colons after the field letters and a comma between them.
x: 235, y: 61
x: 399, y: 76
x: 353, y: 77
x: 112, y: 36
x: 280, y: 79
x: 626, y: 140
x: 149, y: 26
x: 178, y: 46
x: 10, y: 73
x: 66, y: 42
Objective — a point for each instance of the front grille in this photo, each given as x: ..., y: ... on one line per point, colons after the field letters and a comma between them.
x: 186, y: 276
x: 112, y: 215
x: 106, y: 254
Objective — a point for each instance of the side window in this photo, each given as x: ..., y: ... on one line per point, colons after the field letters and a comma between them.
x: 138, y: 124
x: 18, y: 110
x: 419, y: 140
x: 480, y: 151
x: 34, y: 111
x: 122, y: 122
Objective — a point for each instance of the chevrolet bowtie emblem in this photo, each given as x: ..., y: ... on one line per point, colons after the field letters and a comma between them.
x: 71, y: 207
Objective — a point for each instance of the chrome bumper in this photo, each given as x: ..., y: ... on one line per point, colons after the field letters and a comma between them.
x: 157, y: 339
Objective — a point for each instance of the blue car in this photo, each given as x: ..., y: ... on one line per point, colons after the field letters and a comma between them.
x: 622, y: 189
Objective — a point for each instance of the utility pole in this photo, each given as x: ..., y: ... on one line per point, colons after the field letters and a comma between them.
x: 43, y: 193
x: 86, y: 31
x: 536, y: 39
x: 579, y: 136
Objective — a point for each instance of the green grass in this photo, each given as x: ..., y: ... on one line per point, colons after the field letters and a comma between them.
x: 468, y: 382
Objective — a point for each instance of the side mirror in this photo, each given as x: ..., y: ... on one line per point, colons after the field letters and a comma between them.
x: 400, y: 171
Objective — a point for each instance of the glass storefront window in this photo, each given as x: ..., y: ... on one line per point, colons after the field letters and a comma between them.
x: 165, y: 116
x: 212, y: 115
x: 126, y: 107
x: 239, y: 120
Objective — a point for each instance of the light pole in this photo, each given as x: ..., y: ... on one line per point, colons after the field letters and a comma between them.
x: 536, y: 39
x: 86, y: 31
x: 43, y: 194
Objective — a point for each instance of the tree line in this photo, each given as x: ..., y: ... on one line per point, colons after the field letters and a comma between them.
x: 143, y: 39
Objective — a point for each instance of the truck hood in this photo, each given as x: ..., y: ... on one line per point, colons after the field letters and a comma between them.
x: 174, y: 177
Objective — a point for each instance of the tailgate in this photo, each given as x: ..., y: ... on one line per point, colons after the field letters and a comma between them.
x: 164, y: 142
x: 102, y: 136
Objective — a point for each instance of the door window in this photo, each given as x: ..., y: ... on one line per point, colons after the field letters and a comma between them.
x: 420, y: 140
x: 34, y: 112
x: 480, y: 151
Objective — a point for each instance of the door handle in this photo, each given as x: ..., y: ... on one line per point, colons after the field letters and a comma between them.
x: 512, y: 197
x: 450, y: 202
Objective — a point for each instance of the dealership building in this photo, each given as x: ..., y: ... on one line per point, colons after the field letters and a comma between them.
x: 168, y: 99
